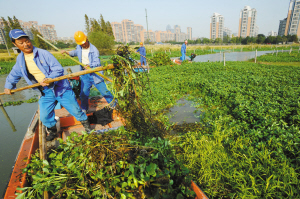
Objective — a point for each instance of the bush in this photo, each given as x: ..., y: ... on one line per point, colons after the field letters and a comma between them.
x: 102, y: 41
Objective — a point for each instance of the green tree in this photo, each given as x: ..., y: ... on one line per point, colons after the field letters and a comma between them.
x: 17, y: 24
x: 102, y: 41
x: 233, y: 40
x: 294, y: 38
x: 218, y: 40
x: 39, y: 43
x: 87, y: 24
x: 109, y: 30
x: 261, y: 38
x: 95, y: 26
x: 102, y: 24
x: 6, y: 31
x: 226, y: 39
x: 284, y: 39
x: 205, y: 40
x: 278, y: 39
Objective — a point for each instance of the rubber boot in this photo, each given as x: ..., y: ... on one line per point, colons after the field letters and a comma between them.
x: 86, y: 125
x: 52, y: 133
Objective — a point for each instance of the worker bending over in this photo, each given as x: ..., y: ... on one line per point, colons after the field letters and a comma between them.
x: 88, y: 54
x: 142, y: 51
x: 183, y: 51
x: 38, y: 65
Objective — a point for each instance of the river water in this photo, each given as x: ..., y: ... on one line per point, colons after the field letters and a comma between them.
x: 21, y: 115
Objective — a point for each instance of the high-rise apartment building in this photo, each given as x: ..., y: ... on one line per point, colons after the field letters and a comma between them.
x: 128, y: 30
x: 216, y: 26
x: 272, y: 33
x: 189, y: 33
x: 247, y: 24
x: 177, y: 32
x: 227, y: 32
x: 282, y: 25
x: 137, y: 29
x: 117, y: 31
x: 291, y: 23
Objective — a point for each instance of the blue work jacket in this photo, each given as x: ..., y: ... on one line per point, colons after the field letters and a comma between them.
x: 49, y: 66
x: 142, y: 51
x: 183, y: 49
x: 93, y: 58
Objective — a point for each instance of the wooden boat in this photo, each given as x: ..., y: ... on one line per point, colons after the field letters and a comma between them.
x: 68, y: 124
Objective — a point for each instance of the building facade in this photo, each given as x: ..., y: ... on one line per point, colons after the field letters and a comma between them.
x: 117, y: 31
x: 272, y: 33
x: 189, y: 33
x: 128, y: 30
x: 137, y: 32
x: 247, y: 23
x: 216, y: 26
x: 282, y: 25
x: 291, y: 23
x: 227, y: 32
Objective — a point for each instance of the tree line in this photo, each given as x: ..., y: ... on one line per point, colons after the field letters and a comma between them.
x: 99, y: 33
x: 260, y: 39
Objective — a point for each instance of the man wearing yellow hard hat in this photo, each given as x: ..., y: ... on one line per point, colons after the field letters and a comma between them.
x: 88, y: 54
x: 142, y: 51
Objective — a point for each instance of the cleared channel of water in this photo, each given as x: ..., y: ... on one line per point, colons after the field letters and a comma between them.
x: 231, y: 56
x: 184, y: 112
x: 20, y: 116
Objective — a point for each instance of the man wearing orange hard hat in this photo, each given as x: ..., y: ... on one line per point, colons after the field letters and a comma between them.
x: 88, y: 54
x: 142, y: 51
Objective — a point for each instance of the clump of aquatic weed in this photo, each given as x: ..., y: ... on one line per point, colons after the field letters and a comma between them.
x: 109, y: 166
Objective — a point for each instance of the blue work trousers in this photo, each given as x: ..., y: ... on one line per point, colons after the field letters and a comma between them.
x: 143, y: 61
x: 182, y: 56
x: 48, y: 102
x: 87, y: 82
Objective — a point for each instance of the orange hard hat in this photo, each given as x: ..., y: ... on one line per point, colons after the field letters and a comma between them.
x: 80, y: 37
x: 141, y: 43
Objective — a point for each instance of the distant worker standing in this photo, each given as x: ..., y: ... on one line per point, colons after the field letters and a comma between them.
x: 88, y: 54
x: 142, y: 51
x: 183, y: 51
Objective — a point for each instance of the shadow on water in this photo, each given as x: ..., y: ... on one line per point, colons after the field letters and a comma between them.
x: 185, y: 116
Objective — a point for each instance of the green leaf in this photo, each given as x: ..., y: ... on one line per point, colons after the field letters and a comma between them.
x: 123, y: 196
x: 131, y: 168
x: 151, y: 168
x: 45, y: 170
x: 124, y: 184
x: 45, y: 162
x: 21, y: 196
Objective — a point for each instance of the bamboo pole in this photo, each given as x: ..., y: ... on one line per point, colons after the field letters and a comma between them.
x: 42, y: 145
x: 92, y: 70
x: 74, y: 59
x: 7, y: 117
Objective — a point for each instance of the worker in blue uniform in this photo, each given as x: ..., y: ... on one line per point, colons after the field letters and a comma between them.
x: 88, y: 54
x: 142, y: 51
x: 183, y: 51
x: 37, y: 65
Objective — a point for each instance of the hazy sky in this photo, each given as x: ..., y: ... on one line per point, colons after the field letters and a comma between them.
x: 68, y: 15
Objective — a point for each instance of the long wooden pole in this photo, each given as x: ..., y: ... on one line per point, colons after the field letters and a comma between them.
x: 78, y: 62
x: 92, y: 70
x: 7, y: 117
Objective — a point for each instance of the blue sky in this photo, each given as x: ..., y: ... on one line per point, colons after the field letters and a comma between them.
x: 68, y: 15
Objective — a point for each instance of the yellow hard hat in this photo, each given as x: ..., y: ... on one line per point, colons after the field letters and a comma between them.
x: 141, y: 43
x: 80, y: 37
